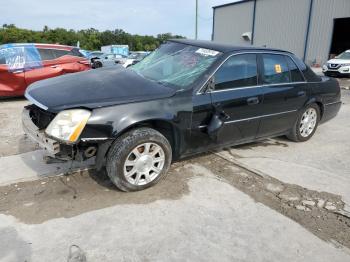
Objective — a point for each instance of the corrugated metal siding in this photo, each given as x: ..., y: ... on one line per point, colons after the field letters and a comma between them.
x: 321, y: 27
x: 282, y: 24
x: 231, y: 22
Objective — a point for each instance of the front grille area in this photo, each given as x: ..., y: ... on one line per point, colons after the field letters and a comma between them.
x: 40, y: 117
x: 333, y: 66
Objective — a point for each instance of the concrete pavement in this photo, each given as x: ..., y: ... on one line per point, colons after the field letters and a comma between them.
x: 320, y: 164
x: 212, y: 222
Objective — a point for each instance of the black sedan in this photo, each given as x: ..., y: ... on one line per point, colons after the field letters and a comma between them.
x: 184, y: 98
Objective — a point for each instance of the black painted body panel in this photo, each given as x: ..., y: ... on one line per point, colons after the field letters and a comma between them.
x: 96, y: 88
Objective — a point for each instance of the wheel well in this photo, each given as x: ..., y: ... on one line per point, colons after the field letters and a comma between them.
x: 165, y: 128
x: 320, y: 105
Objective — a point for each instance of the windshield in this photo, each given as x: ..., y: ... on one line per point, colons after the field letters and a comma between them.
x: 345, y: 55
x: 176, y: 64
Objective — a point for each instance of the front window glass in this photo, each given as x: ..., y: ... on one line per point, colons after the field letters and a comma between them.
x: 176, y: 64
x: 345, y: 55
x: 275, y: 69
x: 237, y: 71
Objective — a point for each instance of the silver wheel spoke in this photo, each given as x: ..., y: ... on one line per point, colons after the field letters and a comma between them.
x: 148, y: 178
x: 158, y: 159
x: 130, y: 173
x: 147, y: 148
x: 136, y: 153
x: 137, y: 179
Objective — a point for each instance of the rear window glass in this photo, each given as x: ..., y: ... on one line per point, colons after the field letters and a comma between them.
x: 46, y: 54
x: 276, y: 70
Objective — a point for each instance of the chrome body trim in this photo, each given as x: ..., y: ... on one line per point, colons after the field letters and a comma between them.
x: 252, y: 118
x: 94, y: 139
x: 31, y: 99
x: 338, y: 102
x: 257, y: 117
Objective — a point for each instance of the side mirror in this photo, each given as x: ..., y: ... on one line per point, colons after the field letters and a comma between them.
x: 215, y: 125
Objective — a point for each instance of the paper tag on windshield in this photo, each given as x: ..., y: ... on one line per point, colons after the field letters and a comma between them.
x: 207, y: 52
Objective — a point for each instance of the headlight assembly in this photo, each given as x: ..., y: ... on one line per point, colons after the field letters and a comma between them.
x: 345, y: 64
x: 68, y: 124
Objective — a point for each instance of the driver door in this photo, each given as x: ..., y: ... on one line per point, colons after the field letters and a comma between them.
x: 238, y: 98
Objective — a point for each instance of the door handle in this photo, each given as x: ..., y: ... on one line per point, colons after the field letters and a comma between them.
x: 301, y: 93
x: 17, y: 71
x: 253, y: 101
x: 54, y: 66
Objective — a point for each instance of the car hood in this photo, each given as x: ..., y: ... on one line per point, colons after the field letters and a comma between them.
x: 338, y: 61
x: 95, y: 88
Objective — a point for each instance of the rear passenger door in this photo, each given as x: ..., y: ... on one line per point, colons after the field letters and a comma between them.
x: 285, y: 92
x: 49, y: 68
x: 70, y: 61
x: 239, y: 97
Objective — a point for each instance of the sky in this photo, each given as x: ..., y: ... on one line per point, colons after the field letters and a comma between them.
x: 144, y: 17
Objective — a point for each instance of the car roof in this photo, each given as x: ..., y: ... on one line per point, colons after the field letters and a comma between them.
x: 56, y: 46
x: 223, y: 48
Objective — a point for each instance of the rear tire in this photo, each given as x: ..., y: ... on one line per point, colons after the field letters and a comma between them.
x: 138, y: 159
x: 97, y: 64
x: 306, y: 124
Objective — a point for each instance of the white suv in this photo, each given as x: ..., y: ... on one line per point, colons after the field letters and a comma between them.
x: 339, y: 66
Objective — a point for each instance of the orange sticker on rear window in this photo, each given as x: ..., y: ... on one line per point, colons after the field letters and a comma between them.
x: 278, y: 69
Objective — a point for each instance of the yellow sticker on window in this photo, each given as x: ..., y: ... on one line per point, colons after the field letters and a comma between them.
x: 278, y: 69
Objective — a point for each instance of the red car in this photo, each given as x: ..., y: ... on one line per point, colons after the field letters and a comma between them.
x: 23, y: 64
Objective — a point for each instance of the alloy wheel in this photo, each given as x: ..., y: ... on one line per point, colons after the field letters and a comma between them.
x: 144, y: 163
x: 308, y: 122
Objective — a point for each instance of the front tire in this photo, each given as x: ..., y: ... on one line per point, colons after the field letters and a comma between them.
x: 306, y: 124
x: 138, y: 159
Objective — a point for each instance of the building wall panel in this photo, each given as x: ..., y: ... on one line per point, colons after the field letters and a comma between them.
x: 282, y: 24
x: 230, y: 22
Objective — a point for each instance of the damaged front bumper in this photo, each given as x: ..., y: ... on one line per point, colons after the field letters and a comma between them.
x: 38, y: 136
x: 85, y: 149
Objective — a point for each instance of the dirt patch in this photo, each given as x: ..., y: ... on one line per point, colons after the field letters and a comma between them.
x: 70, y: 195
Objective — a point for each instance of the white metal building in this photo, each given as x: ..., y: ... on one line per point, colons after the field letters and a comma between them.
x: 312, y: 29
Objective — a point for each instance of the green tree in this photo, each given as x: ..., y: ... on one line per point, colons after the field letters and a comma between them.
x: 90, y: 39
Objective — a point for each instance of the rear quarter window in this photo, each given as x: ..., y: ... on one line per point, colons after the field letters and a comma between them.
x: 295, y: 73
x: 309, y: 75
x: 75, y: 52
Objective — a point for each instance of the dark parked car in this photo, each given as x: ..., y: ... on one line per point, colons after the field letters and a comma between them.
x: 185, y: 98
x: 23, y: 64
